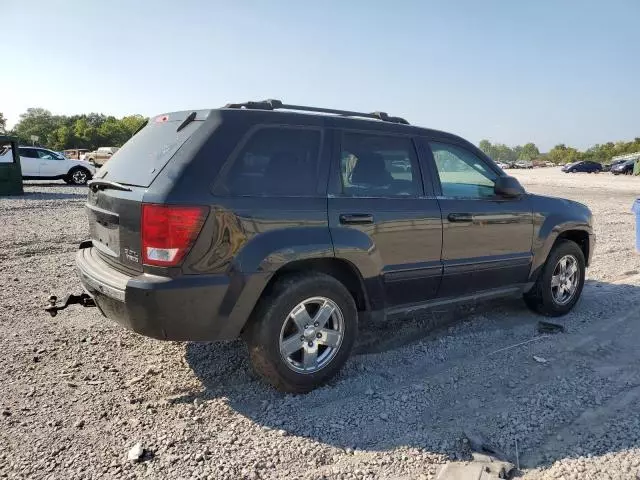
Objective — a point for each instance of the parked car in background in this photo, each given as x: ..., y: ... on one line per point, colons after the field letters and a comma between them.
x: 585, y: 166
x: 623, y: 168
x: 42, y: 164
x: 76, y: 153
x: 503, y: 165
x: 524, y: 164
x: 284, y: 228
x: 607, y: 167
x: 101, y: 155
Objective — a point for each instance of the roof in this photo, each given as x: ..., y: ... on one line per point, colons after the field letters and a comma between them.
x: 273, y: 111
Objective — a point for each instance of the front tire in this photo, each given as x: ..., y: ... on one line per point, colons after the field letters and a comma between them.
x: 560, y: 283
x: 78, y: 176
x: 302, y: 332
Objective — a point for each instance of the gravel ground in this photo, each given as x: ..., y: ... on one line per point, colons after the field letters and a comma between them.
x: 79, y: 393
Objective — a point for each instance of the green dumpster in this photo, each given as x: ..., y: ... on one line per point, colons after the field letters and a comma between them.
x: 10, y: 171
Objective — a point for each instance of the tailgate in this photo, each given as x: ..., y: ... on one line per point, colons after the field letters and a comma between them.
x: 114, y: 226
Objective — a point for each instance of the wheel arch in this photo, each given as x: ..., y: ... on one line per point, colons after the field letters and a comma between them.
x: 342, y: 270
x: 580, y: 234
x: 581, y: 237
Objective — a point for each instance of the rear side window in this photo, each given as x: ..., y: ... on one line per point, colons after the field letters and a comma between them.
x: 378, y: 166
x: 277, y: 161
x: 28, y: 153
x: 6, y: 153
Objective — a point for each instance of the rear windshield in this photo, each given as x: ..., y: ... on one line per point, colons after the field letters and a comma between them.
x: 140, y: 160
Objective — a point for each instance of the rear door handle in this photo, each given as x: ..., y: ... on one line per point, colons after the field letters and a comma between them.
x: 460, y: 217
x: 356, y: 218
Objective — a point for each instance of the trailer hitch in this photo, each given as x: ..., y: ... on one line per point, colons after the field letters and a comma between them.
x: 82, y: 299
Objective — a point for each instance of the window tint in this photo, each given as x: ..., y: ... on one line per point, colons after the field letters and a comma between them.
x: 44, y: 155
x: 6, y: 152
x: 276, y: 161
x: 28, y: 152
x: 462, y: 173
x: 378, y: 166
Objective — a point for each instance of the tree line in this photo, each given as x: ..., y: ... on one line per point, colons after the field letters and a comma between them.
x: 559, y: 154
x: 62, y: 132
x: 93, y: 130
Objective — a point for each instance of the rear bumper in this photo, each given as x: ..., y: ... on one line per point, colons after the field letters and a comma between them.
x: 186, y: 308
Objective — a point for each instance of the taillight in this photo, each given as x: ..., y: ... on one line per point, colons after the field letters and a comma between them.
x: 168, y: 232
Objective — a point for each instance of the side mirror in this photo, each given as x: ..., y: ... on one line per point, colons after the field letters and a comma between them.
x: 508, y: 187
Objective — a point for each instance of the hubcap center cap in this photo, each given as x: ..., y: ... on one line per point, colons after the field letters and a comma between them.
x: 309, y: 333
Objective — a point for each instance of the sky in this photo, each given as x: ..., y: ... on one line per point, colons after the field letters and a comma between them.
x: 546, y: 71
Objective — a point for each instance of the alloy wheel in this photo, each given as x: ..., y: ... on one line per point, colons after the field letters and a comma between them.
x: 311, y: 335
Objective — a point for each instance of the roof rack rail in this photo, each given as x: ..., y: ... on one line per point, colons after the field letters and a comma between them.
x: 277, y: 104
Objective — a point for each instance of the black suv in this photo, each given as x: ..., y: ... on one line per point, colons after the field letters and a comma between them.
x: 284, y: 226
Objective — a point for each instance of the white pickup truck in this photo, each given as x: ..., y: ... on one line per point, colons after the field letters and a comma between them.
x: 42, y: 164
x: 101, y: 155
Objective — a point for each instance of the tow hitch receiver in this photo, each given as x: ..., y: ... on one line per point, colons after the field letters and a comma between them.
x: 82, y: 299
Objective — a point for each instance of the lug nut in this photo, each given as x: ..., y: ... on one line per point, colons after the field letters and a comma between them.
x: 316, y: 324
x: 302, y: 337
x: 318, y: 335
x: 310, y: 344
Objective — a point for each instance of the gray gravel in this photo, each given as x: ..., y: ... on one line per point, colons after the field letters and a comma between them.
x: 83, y: 398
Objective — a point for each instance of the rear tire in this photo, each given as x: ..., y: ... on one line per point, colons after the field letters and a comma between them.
x: 546, y: 295
x: 281, y: 349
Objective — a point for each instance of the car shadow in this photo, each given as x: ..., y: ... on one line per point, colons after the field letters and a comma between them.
x: 480, y: 377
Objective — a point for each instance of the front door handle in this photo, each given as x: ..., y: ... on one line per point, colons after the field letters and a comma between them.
x: 460, y: 217
x: 356, y: 218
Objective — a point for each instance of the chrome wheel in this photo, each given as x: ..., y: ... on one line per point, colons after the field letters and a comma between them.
x: 565, y: 279
x: 79, y: 177
x: 311, y: 334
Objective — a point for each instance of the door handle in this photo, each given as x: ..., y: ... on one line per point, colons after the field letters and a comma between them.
x: 356, y: 218
x: 460, y: 217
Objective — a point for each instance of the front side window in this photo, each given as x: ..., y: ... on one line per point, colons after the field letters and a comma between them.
x: 276, y: 161
x: 462, y: 173
x: 45, y: 155
x: 378, y: 166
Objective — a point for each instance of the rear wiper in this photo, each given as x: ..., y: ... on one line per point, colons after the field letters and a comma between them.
x: 144, y: 124
x: 190, y: 118
x: 98, y: 184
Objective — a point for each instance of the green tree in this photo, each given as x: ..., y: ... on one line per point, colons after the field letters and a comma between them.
x: 528, y: 151
x: 498, y: 152
x: 3, y: 123
x: 36, y: 121
x: 563, y: 154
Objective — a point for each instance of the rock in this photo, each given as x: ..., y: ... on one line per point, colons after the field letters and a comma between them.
x: 540, y: 359
x: 282, y: 433
x: 79, y: 424
x: 384, y: 416
x: 135, y: 453
x: 134, y: 380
